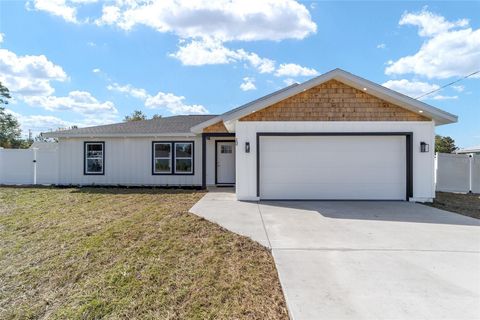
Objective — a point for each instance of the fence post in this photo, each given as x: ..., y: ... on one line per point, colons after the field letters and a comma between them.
x: 34, y: 165
x: 470, y: 173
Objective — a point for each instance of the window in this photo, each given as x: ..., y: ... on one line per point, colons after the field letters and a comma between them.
x: 94, y: 158
x: 184, y: 157
x: 162, y: 158
x: 172, y: 157
x: 226, y: 148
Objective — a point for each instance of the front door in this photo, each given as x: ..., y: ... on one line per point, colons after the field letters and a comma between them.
x: 225, y: 173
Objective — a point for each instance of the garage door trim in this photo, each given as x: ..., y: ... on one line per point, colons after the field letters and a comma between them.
x: 408, y: 144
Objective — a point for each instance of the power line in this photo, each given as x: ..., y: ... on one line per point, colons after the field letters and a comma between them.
x: 448, y: 84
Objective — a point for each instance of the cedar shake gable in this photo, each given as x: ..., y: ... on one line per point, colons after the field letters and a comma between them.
x: 334, y: 101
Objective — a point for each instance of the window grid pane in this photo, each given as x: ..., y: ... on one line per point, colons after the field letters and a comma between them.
x: 162, y: 157
x: 183, y: 157
x: 94, y: 158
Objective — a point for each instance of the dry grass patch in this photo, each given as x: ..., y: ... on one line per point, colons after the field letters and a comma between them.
x: 127, y: 254
x: 466, y: 204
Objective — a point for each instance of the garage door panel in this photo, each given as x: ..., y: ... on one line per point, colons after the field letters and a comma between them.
x: 333, y: 167
x: 312, y: 176
x: 328, y: 192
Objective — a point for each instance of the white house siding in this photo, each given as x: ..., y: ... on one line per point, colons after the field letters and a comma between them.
x: 211, y: 158
x: 423, y: 163
x: 128, y: 161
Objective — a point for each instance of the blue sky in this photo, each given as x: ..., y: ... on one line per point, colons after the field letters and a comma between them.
x: 88, y: 62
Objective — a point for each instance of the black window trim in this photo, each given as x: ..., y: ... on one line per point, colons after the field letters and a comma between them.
x: 172, y: 159
x: 85, y: 143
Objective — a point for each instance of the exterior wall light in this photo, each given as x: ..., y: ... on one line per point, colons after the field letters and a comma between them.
x: 424, y: 147
x: 247, y: 147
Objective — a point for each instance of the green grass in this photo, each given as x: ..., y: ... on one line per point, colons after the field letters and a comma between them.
x: 127, y: 254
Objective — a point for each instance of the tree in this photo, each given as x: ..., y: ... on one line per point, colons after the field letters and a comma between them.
x: 444, y: 144
x: 156, y: 116
x: 10, y: 133
x: 4, y: 95
x: 135, y: 116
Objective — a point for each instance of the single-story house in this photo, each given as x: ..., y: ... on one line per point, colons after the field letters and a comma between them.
x: 336, y: 136
x: 470, y: 150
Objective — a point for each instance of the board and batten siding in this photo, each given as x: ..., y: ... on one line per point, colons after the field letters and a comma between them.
x: 128, y: 161
x: 423, y: 163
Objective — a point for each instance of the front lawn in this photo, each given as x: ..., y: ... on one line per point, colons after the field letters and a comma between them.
x: 127, y: 254
x: 466, y: 204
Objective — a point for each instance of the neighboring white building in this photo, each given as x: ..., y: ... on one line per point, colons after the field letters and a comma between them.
x: 337, y: 136
x: 471, y: 150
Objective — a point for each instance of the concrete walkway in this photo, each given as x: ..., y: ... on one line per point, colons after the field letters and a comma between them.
x: 362, y: 260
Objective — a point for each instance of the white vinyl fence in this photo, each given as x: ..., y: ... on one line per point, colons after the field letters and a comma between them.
x: 29, y: 166
x: 457, y: 172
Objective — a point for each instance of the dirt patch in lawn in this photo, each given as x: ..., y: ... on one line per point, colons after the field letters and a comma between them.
x: 127, y: 254
x: 466, y: 204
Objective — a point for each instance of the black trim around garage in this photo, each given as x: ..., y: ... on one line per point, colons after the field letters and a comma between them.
x: 85, y: 158
x: 408, y: 146
x: 216, y: 162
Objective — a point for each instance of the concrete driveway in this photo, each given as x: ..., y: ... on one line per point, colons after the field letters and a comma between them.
x: 362, y: 260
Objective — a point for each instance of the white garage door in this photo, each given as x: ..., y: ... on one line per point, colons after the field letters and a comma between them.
x: 333, y: 167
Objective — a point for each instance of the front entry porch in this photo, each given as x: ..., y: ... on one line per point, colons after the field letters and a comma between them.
x: 218, y: 159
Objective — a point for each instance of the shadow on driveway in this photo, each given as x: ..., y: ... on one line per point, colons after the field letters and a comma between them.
x: 398, y: 211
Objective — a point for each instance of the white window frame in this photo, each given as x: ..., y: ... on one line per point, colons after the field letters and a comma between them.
x: 86, y: 158
x: 155, y: 158
x: 183, y: 158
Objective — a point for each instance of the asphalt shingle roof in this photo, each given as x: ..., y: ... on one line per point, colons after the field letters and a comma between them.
x: 166, y: 125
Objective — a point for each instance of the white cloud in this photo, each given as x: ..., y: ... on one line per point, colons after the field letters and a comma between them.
x: 77, y: 101
x: 202, y: 52
x: 58, y: 8
x: 430, y: 24
x: 44, y: 123
x: 262, y: 65
x: 206, y: 24
x: 174, y: 104
x: 169, y: 101
x: 130, y: 90
x: 29, y: 75
x: 294, y: 70
x: 39, y: 123
x: 110, y: 15
x: 459, y: 88
x: 210, y: 51
x: 450, y: 48
x: 248, y: 84
x: 2, y: 36
x: 225, y: 20
x: 381, y: 46
x: 96, y: 70
x: 410, y: 88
